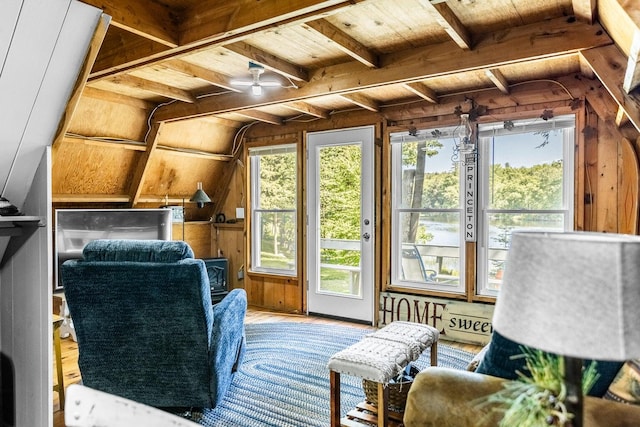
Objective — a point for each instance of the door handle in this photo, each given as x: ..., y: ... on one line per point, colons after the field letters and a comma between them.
x: 366, y: 236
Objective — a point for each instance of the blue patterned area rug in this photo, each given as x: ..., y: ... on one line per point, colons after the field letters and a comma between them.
x: 284, y: 380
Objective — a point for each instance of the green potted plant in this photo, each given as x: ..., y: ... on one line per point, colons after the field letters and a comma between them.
x: 537, y: 399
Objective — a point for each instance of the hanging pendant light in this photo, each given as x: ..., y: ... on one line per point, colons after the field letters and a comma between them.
x: 200, y: 197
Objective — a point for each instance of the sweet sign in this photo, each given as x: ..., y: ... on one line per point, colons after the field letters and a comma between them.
x: 456, y: 320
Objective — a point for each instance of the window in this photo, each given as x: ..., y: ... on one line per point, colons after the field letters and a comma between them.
x: 427, y: 212
x: 524, y: 180
x: 274, y: 184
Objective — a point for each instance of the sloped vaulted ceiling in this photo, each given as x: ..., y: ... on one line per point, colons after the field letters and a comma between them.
x: 175, y: 61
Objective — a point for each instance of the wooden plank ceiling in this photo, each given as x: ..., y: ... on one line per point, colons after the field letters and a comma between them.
x: 180, y: 57
x: 330, y: 55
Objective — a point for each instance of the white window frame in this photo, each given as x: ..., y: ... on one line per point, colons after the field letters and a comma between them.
x: 255, y: 237
x: 485, y: 133
x: 481, y: 203
x: 396, y: 193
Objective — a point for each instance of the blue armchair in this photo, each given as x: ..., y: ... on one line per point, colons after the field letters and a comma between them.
x: 146, y: 328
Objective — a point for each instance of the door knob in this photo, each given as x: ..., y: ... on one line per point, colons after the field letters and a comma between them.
x: 366, y: 236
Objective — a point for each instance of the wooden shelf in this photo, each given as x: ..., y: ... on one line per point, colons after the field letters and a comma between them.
x: 18, y: 228
x: 237, y: 225
x: 366, y: 415
x: 16, y: 225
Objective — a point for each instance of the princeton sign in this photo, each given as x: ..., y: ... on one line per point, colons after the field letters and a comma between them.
x: 456, y: 320
x: 469, y: 197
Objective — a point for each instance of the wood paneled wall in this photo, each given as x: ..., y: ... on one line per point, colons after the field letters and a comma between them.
x: 602, y: 197
x: 601, y: 194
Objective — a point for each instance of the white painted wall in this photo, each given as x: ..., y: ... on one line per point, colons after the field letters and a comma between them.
x: 43, y: 44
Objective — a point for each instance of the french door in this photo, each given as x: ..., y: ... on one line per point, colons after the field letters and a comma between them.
x: 340, y: 223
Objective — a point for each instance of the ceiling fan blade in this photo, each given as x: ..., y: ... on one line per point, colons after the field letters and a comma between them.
x: 269, y: 84
x: 241, y: 82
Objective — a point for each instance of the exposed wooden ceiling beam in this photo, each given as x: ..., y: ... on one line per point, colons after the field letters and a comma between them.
x: 90, y: 198
x: 345, y: 42
x: 362, y: 100
x: 117, y: 98
x: 128, y: 145
x: 608, y: 64
x: 523, y: 101
x: 154, y: 87
x: 209, y: 76
x: 632, y: 74
x: 194, y: 153
x: 498, y: 79
x: 135, y: 187
x: 141, y: 146
x: 585, y: 69
x: 210, y: 23
x: 96, y: 40
x: 151, y: 20
x: 552, y: 38
x: 621, y: 117
x: 261, y: 116
x: 121, y: 47
x: 450, y: 23
x: 306, y: 108
x: 596, y: 95
x: 213, y: 19
x: 585, y: 10
x: 622, y: 20
x: 423, y: 91
x: 269, y: 61
x: 224, y: 122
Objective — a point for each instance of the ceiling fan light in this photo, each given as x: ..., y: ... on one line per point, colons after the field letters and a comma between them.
x: 256, y: 89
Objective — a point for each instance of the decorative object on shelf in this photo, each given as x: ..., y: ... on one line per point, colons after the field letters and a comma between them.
x: 200, y: 197
x: 465, y: 149
x: 177, y: 212
x: 7, y: 209
x: 220, y: 218
x: 554, y: 283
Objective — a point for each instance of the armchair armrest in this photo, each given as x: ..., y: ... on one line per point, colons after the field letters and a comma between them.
x: 227, y: 338
x: 446, y: 397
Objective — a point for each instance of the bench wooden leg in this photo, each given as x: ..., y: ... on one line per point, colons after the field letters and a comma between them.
x: 334, y: 381
x: 434, y: 353
x: 59, y: 387
x: 383, y: 405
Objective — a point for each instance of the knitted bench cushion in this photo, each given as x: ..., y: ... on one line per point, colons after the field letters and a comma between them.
x: 415, y: 335
x: 371, y: 359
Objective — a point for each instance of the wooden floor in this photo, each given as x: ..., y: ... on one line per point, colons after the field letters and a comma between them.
x: 70, y: 349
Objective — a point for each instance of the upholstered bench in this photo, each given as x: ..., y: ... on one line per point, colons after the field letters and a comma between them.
x: 380, y: 357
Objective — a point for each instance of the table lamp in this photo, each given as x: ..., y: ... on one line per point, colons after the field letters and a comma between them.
x: 573, y: 294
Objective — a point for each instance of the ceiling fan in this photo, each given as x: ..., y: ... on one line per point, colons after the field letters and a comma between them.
x: 256, y: 84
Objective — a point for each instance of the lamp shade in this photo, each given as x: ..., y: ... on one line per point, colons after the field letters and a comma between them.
x: 200, y: 197
x: 574, y: 294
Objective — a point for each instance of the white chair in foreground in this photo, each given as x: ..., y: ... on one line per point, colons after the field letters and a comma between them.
x: 86, y: 407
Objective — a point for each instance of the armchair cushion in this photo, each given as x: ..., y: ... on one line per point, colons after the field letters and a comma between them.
x: 137, y: 251
x: 501, y: 360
